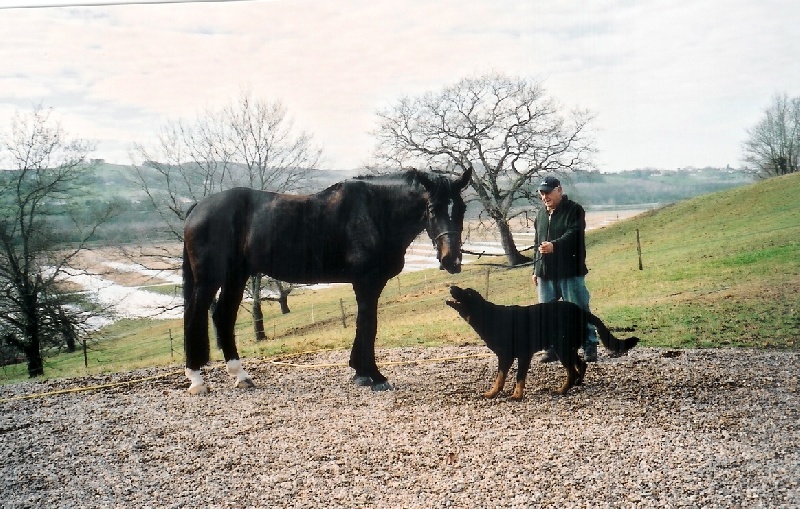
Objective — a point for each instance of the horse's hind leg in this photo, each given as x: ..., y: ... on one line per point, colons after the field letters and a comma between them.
x: 195, y: 334
x: 224, y: 321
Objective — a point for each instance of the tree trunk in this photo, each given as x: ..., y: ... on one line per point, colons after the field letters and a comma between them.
x: 70, y: 338
x: 258, y: 313
x: 32, y: 341
x: 509, y: 246
x: 35, y: 362
x: 32, y: 353
x: 283, y: 300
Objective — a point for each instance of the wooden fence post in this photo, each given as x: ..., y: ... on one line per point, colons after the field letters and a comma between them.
x: 341, y: 306
x: 639, y: 249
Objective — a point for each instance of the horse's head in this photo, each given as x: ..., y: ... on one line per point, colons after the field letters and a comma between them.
x: 445, y: 217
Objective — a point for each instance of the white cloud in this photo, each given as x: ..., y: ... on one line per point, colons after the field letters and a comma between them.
x: 674, y: 83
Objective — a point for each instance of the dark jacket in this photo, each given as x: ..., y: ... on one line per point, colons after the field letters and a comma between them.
x: 566, y: 229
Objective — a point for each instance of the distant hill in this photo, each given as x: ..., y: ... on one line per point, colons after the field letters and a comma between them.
x: 594, y: 190
x: 650, y: 187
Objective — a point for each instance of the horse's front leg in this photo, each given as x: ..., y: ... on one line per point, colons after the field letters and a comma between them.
x: 362, y: 356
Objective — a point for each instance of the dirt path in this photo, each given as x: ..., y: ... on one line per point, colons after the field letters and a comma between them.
x: 693, y: 428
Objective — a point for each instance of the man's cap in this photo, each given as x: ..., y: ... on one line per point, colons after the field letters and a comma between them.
x: 548, y: 184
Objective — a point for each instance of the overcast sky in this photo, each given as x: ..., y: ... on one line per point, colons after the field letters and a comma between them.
x: 673, y: 83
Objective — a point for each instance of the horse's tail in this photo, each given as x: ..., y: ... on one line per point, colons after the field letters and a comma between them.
x: 188, y: 276
x: 614, y: 344
x: 195, y: 343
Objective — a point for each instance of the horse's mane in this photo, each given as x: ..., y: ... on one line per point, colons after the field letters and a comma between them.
x: 409, y: 177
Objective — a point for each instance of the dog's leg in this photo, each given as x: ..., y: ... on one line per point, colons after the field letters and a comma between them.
x: 523, y: 366
x: 581, y: 367
x: 503, y: 365
x: 499, y: 381
x: 519, y: 390
x: 572, y: 376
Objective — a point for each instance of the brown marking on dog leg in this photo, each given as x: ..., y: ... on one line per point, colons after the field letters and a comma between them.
x: 519, y: 390
x: 499, y: 381
x: 572, y: 375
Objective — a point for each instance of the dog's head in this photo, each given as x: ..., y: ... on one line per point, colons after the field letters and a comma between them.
x: 463, y: 301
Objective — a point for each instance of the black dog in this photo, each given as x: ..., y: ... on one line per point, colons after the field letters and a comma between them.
x: 517, y: 332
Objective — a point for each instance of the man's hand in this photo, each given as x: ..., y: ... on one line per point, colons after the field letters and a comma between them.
x: 546, y: 247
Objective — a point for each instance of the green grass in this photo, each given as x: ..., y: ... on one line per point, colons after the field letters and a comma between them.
x: 719, y: 270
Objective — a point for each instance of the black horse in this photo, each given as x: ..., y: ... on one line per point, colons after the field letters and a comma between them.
x: 356, y: 231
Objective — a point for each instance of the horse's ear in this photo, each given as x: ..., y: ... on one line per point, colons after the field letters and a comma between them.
x: 463, y: 181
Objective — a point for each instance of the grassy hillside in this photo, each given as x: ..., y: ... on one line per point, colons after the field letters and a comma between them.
x: 719, y: 270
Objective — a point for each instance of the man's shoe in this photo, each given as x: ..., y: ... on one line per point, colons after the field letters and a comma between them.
x: 590, y: 352
x: 548, y: 356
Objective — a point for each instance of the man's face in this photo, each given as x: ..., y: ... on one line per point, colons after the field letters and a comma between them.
x: 551, y: 199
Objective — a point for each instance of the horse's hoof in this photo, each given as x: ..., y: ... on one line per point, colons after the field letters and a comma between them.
x: 245, y: 384
x: 198, y: 390
x: 362, y: 381
x: 383, y: 386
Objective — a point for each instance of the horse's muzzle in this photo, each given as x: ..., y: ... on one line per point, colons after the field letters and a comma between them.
x: 448, y: 251
x: 450, y: 264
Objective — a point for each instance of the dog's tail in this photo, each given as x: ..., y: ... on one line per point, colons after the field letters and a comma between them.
x: 614, y: 344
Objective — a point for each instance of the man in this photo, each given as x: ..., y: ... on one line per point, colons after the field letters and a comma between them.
x: 559, y: 268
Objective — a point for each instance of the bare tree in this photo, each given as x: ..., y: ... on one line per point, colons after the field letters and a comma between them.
x: 40, y: 233
x: 773, y: 145
x: 187, y: 162
x: 249, y: 142
x: 276, y: 159
x: 506, y: 129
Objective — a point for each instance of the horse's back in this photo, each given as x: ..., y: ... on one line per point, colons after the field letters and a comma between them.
x: 213, y: 231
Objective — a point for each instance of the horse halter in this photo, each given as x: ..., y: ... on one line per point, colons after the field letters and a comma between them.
x: 448, y: 232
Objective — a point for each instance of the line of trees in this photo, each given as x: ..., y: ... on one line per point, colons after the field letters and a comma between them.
x: 508, y: 130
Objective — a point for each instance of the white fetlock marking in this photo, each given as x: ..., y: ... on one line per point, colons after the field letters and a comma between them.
x: 235, y: 369
x: 196, y: 383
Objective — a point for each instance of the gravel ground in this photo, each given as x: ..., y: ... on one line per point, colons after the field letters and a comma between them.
x: 658, y: 428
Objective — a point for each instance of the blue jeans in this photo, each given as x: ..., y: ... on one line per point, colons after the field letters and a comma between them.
x: 570, y: 289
